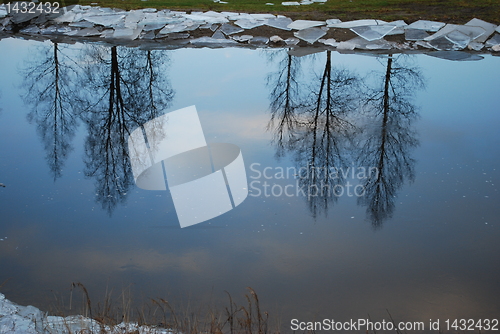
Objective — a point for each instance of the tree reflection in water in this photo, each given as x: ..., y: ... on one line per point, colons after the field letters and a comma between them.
x: 128, y: 89
x: 343, y: 122
x: 318, y: 129
x: 50, y: 82
x: 113, y: 90
x: 389, y: 137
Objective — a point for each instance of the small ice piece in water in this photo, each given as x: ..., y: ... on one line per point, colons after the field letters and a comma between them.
x: 496, y: 48
x: 356, y: 23
x: 292, y: 41
x: 280, y: 23
x: 488, y: 27
x: 493, y: 40
x: 229, y: 29
x: 242, y: 38
x: 304, y: 24
x: 105, y: 20
x: 332, y: 21
x: 310, y: 35
x: 415, y: 34
x: 372, y: 33
x: 290, y: 3
x: 259, y: 40
x: 249, y: 24
x: 431, y: 26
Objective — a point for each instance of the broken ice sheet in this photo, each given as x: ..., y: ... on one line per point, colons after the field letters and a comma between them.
x: 427, y: 25
x: 310, y: 35
x: 126, y: 33
x: 229, y: 29
x: 415, y: 34
x: 280, y: 23
x: 443, y: 44
x: 356, y: 23
x: 105, y: 20
x: 475, y: 46
x: 495, y: 40
x: 488, y: 27
x: 219, y: 35
x: 88, y: 32
x: 259, y: 40
x: 249, y: 24
x: 304, y: 24
x: 372, y: 33
x: 330, y: 22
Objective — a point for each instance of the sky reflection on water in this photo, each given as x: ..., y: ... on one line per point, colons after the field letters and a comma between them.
x: 422, y: 242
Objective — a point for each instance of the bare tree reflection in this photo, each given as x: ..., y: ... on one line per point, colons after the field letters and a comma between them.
x: 129, y: 88
x: 286, y: 99
x: 322, y: 133
x: 49, y: 82
x: 389, y: 137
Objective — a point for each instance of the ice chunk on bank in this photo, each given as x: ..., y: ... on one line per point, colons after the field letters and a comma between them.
x: 304, y: 24
x: 290, y: 3
x: 126, y: 33
x: 280, y: 23
x: 310, y: 35
x: 431, y: 26
x: 372, y: 33
x: 356, y: 23
x: 105, y: 20
x: 249, y: 24
x: 495, y: 40
x: 415, y: 34
x: 489, y: 29
x: 229, y: 29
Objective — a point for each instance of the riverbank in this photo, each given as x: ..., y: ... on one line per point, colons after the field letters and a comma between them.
x: 168, y: 29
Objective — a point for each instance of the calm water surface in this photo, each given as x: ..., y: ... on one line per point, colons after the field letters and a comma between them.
x: 420, y: 236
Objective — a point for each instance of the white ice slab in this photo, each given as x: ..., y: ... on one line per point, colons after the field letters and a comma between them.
x: 310, y: 35
x: 330, y: 41
x: 280, y: 23
x: 330, y: 22
x: 292, y: 41
x: 427, y: 25
x: 275, y: 39
x: 242, y: 38
x: 229, y: 29
x: 489, y: 29
x: 126, y: 33
x: 249, y: 24
x: 105, y: 20
x: 262, y: 16
x: 372, y: 33
x: 290, y: 3
x: 305, y: 24
x: 356, y: 23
